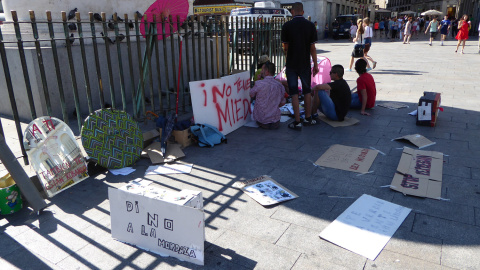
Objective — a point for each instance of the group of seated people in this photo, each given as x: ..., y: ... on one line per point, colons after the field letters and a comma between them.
x: 333, y: 99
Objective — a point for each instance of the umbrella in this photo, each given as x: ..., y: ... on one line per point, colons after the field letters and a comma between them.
x: 166, y: 132
x: 382, y: 11
x: 432, y: 12
x: 407, y: 12
x: 164, y: 9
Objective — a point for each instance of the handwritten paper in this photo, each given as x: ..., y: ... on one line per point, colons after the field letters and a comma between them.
x: 366, y: 226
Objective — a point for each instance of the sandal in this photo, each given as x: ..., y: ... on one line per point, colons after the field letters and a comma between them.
x: 295, y: 126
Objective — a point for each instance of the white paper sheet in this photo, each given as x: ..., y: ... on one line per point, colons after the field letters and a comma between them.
x: 169, y: 169
x: 122, y: 171
x: 366, y: 226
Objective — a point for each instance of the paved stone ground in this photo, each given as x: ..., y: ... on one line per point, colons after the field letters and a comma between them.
x: 74, y: 231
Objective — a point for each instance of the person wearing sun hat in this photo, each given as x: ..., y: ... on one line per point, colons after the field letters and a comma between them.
x: 262, y: 60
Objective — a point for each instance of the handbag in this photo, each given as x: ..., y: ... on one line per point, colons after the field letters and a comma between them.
x: 207, y: 135
x: 358, y: 49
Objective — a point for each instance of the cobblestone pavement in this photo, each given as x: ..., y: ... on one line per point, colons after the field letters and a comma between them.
x: 74, y: 231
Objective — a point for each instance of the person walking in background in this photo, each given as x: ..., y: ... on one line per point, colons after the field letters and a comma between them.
x: 462, y: 35
x: 368, y: 42
x: 400, y: 25
x: 394, y: 29
x: 454, y: 27
x: 366, y: 93
x: 433, y: 27
x: 376, y: 27
x: 359, y: 40
x: 325, y: 34
x: 387, y: 27
x: 381, y: 26
x: 353, y: 31
x: 408, y: 31
x: 444, y: 28
x: 415, y: 28
x: 298, y: 38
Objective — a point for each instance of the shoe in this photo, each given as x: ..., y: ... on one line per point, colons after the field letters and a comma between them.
x: 374, y: 65
x: 368, y: 69
x: 349, y: 70
x: 309, y: 121
x: 455, y: 51
x: 462, y: 51
x: 430, y: 44
x: 295, y: 126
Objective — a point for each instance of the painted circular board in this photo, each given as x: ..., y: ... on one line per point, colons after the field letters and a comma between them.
x: 112, y: 138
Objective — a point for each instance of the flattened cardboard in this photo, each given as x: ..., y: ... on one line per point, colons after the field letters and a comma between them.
x: 265, y: 190
x: 348, y: 158
x: 392, y: 105
x: 149, y: 136
x: 173, y: 152
x: 419, y: 173
x: 183, y: 137
x: 417, y: 140
x: 345, y: 123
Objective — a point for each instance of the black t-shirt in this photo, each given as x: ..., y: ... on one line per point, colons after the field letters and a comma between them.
x: 299, y: 33
x: 341, y: 97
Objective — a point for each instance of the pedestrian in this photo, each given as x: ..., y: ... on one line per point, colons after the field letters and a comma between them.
x: 368, y: 42
x: 400, y: 28
x: 381, y: 26
x: 479, y: 37
x: 334, y: 98
x: 326, y: 32
x: 444, y: 28
x: 269, y: 96
x: 462, y: 35
x: 422, y: 24
x: 408, y: 31
x: 433, y: 26
x: 376, y: 27
x: 358, y: 40
x: 364, y: 97
x: 393, y: 29
x: 298, y: 37
x: 353, y: 31
x: 415, y: 28
x: 454, y: 27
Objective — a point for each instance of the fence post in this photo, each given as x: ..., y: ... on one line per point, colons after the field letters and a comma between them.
x: 120, y: 62
x: 84, y: 62
x: 97, y: 61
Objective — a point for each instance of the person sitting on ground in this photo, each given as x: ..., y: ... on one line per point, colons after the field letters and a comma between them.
x: 269, y: 96
x: 334, y: 98
x: 262, y: 60
x: 366, y: 93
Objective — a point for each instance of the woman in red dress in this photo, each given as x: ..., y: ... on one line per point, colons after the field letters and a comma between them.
x: 462, y: 31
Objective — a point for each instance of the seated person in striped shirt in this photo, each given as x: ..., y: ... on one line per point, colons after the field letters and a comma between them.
x: 269, y: 96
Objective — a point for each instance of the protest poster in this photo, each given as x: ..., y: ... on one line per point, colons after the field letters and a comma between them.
x: 54, y: 154
x: 348, y: 158
x: 419, y: 173
x: 162, y: 227
x: 223, y: 103
x: 366, y: 226
x: 265, y: 190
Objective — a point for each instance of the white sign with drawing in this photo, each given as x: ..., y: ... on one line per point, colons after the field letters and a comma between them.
x: 366, y: 226
x: 159, y: 226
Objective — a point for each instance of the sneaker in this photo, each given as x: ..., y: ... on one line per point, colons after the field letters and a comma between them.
x: 309, y: 121
x: 295, y: 126
x: 368, y: 69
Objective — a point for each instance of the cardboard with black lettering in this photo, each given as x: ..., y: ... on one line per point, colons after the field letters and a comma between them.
x: 419, y: 173
x: 348, y: 158
x: 156, y: 225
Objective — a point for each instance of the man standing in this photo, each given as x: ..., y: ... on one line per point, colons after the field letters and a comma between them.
x: 298, y: 37
x: 334, y: 98
x: 366, y: 93
x: 445, y: 27
x: 269, y: 96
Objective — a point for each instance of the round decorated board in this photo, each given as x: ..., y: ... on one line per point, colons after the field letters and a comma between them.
x: 112, y: 138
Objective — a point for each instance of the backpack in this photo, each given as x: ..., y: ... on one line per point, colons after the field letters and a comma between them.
x: 207, y: 135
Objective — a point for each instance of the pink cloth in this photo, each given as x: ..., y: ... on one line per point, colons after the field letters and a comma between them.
x: 323, y: 76
x: 269, y: 95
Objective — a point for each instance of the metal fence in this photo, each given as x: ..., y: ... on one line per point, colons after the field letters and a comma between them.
x: 52, y: 67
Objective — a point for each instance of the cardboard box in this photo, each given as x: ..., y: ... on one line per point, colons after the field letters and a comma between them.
x: 183, y: 137
x: 428, y: 108
x: 151, y: 135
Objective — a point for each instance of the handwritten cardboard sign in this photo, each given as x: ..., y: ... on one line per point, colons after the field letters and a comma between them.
x: 348, y: 158
x: 265, y: 190
x: 162, y: 227
x: 419, y: 173
x: 366, y: 226
x: 54, y: 154
x: 223, y: 103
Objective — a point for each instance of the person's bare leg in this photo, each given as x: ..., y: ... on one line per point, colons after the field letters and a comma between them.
x: 463, y: 46
x: 316, y: 102
x: 296, y: 108
x: 408, y: 39
x: 351, y: 63
x: 308, y: 106
x: 458, y: 44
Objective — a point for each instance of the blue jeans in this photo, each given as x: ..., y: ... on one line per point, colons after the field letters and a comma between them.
x: 356, y: 103
x: 327, y: 106
x: 292, y: 80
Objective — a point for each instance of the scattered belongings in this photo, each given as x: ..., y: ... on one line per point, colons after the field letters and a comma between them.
x: 155, y: 154
x: 54, y: 154
x: 168, y: 223
x: 345, y: 123
x: 348, y: 158
x: 169, y: 169
x: 10, y: 195
x: 417, y: 140
x: 366, y: 226
x: 419, y: 173
x: 428, y: 108
x: 265, y: 190
x: 392, y: 105
x: 122, y: 171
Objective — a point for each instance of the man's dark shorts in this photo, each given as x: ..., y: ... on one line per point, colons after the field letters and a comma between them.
x: 292, y: 80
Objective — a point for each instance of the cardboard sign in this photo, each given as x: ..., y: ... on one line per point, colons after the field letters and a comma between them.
x: 348, y: 158
x: 162, y: 227
x: 366, y: 226
x: 345, y: 123
x: 265, y: 190
x: 223, y: 103
x: 54, y: 154
x: 419, y: 173
x: 392, y: 105
x: 417, y: 140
